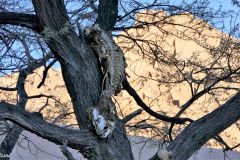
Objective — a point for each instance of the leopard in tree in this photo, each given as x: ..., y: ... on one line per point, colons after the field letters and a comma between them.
x: 113, y: 66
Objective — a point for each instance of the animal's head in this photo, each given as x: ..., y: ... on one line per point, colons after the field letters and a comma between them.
x: 103, y: 125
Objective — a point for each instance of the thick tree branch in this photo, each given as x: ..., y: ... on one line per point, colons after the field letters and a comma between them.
x: 81, y: 74
x: 75, y: 56
x: 139, y: 101
x: 20, y: 19
x: 107, y: 14
x: 11, y: 138
x: 82, y: 140
x: 205, y: 128
x: 195, y: 97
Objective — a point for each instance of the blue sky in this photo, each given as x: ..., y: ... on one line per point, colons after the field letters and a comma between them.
x: 227, y: 5
x: 215, y: 4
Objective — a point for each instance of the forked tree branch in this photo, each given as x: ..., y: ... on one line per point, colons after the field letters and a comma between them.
x: 195, y: 97
x: 205, y: 128
x: 195, y: 135
x: 140, y: 102
x: 11, y: 138
x: 20, y: 19
x: 83, y: 140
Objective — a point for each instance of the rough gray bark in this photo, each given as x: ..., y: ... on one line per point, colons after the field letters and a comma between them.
x: 20, y: 19
x: 10, y: 140
x: 12, y: 136
x: 81, y: 74
x: 107, y: 14
x: 199, y: 132
x: 79, y: 64
x: 83, y: 139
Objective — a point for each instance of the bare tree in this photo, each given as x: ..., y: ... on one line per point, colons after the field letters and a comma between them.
x: 41, y: 32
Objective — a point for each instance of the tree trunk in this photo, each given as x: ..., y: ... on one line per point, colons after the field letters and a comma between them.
x: 81, y: 73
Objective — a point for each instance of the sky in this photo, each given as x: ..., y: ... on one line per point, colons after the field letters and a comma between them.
x: 226, y: 5
x: 215, y: 4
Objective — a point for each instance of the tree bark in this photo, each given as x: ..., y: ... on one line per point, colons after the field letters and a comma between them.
x: 79, y: 65
x: 12, y: 136
x: 107, y: 14
x: 10, y: 140
x: 19, y: 19
x: 81, y: 73
x: 200, y: 131
x: 82, y: 140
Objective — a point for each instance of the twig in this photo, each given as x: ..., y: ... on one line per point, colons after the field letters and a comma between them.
x: 139, y: 101
x: 131, y: 116
x: 45, y: 72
